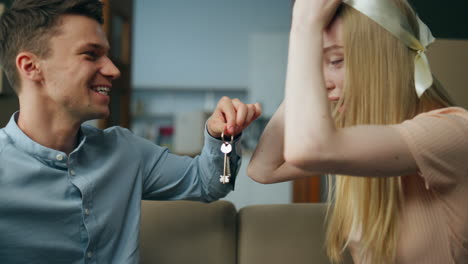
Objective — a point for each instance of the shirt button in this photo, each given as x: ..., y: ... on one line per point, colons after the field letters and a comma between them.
x: 86, y: 211
x: 89, y: 254
x: 59, y: 157
x: 72, y: 173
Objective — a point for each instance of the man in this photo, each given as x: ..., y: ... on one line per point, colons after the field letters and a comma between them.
x: 71, y: 193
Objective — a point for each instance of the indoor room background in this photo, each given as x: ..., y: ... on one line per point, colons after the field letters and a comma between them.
x: 179, y: 57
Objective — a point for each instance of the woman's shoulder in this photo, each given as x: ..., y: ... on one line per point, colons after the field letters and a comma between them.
x: 441, y: 112
x: 447, y: 120
x: 454, y: 115
x: 439, y: 129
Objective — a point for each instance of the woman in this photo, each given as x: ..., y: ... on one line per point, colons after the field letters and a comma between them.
x: 393, y: 144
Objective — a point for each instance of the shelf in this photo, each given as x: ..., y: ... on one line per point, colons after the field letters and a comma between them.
x: 214, y: 89
x: 153, y: 116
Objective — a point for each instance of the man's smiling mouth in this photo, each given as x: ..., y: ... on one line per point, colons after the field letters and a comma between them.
x: 104, y: 90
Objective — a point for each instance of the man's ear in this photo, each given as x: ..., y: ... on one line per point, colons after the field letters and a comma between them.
x: 28, y: 66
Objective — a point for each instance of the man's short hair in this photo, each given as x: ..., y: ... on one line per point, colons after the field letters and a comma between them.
x: 29, y: 25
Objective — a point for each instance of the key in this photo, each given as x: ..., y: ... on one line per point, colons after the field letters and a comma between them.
x: 226, y: 148
x: 228, y: 167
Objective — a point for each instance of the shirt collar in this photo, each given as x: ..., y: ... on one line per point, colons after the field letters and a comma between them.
x: 25, y: 143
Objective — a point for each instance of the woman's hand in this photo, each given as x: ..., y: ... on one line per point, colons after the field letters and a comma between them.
x: 313, y: 13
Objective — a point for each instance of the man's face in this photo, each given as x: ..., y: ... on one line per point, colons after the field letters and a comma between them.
x: 77, y: 75
x: 333, y: 60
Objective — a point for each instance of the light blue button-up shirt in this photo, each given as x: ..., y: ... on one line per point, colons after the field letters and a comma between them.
x: 85, y: 207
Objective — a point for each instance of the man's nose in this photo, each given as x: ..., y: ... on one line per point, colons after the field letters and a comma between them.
x: 110, y: 70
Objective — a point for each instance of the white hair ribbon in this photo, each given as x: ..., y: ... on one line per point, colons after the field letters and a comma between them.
x: 387, y: 15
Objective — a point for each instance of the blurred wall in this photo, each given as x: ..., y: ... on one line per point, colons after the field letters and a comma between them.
x: 204, y: 43
x: 447, y: 19
x: 449, y: 63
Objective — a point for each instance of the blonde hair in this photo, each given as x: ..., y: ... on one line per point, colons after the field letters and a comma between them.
x: 379, y: 89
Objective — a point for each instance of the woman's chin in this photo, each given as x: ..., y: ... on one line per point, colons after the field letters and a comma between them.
x: 336, y: 107
x: 341, y: 109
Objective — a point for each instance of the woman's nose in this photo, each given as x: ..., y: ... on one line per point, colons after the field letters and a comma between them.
x: 329, y: 85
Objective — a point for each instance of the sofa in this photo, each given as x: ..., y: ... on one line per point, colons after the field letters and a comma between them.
x: 178, y: 232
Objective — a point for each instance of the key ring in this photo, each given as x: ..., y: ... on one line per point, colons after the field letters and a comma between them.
x: 222, y: 138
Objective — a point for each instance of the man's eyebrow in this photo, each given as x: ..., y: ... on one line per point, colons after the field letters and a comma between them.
x: 332, y: 47
x: 95, y: 46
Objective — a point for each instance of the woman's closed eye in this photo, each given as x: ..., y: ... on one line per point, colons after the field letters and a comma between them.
x: 336, y: 62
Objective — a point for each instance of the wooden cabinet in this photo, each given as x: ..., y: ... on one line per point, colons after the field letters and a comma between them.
x: 8, y: 99
x: 118, y: 17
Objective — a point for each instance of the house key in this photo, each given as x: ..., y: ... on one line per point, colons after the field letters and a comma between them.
x: 226, y: 148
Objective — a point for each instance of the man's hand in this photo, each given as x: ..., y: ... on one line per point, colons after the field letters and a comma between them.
x: 231, y: 116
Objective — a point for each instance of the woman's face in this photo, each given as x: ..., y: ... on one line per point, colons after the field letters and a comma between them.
x: 333, y: 60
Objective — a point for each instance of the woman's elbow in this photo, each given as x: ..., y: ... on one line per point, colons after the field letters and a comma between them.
x: 295, y: 159
x: 304, y: 159
x: 258, y: 175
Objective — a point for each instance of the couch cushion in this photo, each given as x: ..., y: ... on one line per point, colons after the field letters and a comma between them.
x: 188, y: 232
x: 282, y: 234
